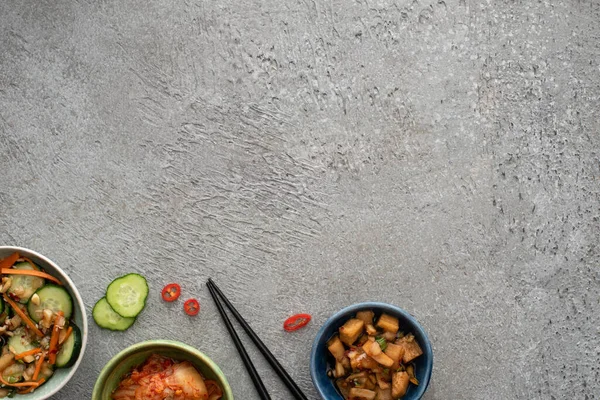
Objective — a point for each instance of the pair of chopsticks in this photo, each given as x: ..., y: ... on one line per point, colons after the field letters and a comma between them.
x: 215, y: 292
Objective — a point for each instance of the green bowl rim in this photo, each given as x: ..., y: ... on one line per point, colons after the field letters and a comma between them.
x: 80, y: 305
x: 113, y: 362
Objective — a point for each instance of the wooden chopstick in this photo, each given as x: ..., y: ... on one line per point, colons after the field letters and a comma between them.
x: 258, y: 383
x: 285, y: 377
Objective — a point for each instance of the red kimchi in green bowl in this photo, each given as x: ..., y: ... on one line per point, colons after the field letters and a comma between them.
x: 162, y: 378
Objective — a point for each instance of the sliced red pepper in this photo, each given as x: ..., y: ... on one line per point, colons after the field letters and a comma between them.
x: 191, y: 307
x: 296, y: 322
x: 171, y: 292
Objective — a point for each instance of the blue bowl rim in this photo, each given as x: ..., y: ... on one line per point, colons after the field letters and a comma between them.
x: 372, y: 305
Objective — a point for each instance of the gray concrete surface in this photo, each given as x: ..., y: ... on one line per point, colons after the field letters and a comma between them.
x: 441, y: 155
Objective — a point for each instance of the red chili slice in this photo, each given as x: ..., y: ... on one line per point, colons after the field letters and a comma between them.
x: 171, y: 292
x: 191, y: 307
x: 296, y: 322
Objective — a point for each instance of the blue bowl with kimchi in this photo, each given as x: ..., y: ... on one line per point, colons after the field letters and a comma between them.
x: 322, y: 362
x: 119, y: 368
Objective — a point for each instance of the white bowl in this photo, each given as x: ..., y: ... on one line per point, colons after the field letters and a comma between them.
x: 61, y: 375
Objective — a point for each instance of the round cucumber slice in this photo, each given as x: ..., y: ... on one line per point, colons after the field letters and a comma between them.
x: 52, y: 297
x: 105, y: 317
x: 127, y: 295
x: 69, y: 350
x: 20, y: 341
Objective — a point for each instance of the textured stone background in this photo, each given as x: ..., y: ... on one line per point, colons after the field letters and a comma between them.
x: 439, y: 155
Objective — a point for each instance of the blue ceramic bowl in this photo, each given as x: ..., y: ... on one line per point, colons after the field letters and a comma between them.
x: 319, y: 355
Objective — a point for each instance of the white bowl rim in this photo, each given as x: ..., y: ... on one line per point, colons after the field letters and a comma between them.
x: 84, y: 329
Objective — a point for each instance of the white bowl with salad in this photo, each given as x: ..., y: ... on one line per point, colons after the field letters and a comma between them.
x: 43, y: 325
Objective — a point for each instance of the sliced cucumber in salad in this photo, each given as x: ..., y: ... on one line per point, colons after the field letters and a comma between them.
x: 70, y: 349
x: 52, y: 297
x: 20, y: 341
x: 107, y: 318
x: 127, y: 295
x: 24, y: 286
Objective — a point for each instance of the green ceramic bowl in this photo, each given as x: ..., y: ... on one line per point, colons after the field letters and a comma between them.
x: 126, y: 360
x: 62, y: 375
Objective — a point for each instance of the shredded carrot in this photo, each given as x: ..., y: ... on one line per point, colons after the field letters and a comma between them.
x: 53, y: 349
x: 38, y: 366
x: 23, y: 316
x: 21, y: 384
x: 69, y: 331
x: 28, y: 353
x: 31, y: 388
x: 39, y: 274
x: 9, y: 261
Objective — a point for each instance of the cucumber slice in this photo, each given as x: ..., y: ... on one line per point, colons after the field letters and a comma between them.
x: 52, y: 297
x: 20, y: 341
x: 107, y: 318
x: 127, y: 295
x: 24, y: 286
x: 69, y: 351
